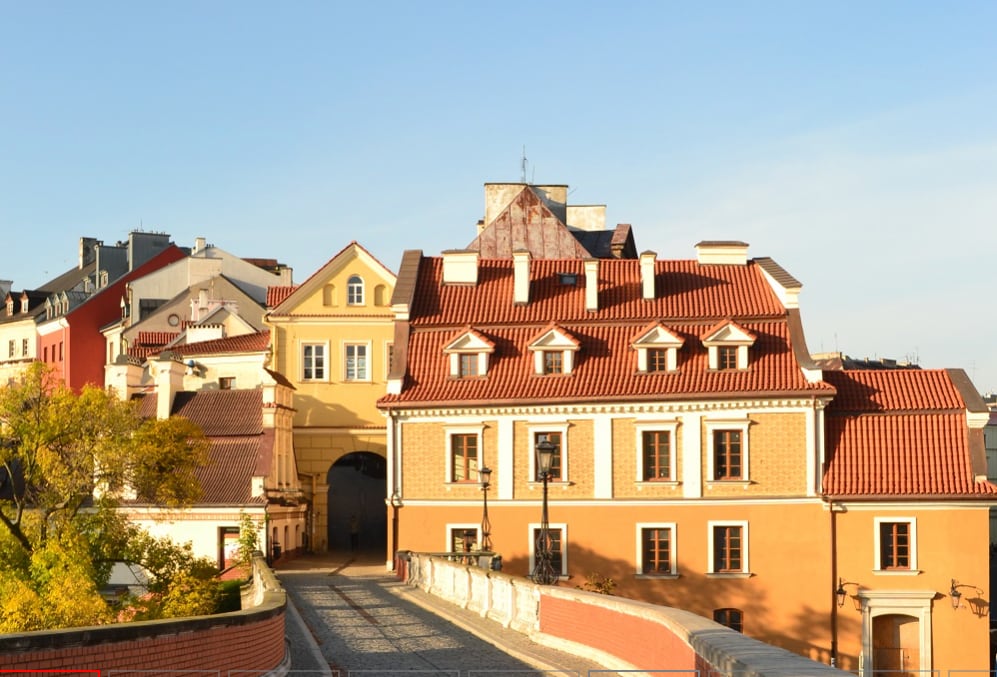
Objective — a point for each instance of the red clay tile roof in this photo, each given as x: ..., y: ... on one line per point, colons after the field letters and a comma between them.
x: 227, y: 479
x: 155, y: 338
x: 246, y: 343
x: 897, y: 434
x: 690, y: 299
x: 222, y: 412
x: 276, y: 295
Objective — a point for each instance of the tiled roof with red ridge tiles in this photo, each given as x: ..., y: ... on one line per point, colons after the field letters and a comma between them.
x: 690, y: 299
x: 276, y: 295
x: 245, y: 343
x: 895, y: 434
x: 155, y: 338
x: 228, y: 477
x: 686, y: 290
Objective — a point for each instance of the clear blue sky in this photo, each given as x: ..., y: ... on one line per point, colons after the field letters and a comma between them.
x: 853, y: 142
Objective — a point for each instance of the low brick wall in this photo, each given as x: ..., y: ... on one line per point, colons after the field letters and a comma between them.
x: 619, y: 633
x: 251, y: 639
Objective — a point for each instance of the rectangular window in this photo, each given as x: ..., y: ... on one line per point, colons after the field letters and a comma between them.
x: 24, y: 347
x: 555, y: 544
x: 463, y: 538
x: 728, y: 544
x: 468, y: 365
x: 557, y: 462
x: 895, y: 545
x: 656, y: 550
x: 727, y: 357
x: 727, y: 455
x: 313, y: 362
x: 12, y: 348
x: 61, y: 355
x: 464, y: 457
x: 553, y: 362
x: 732, y: 618
x: 389, y: 359
x: 356, y: 362
x: 226, y: 383
x: 657, y: 359
x: 656, y: 455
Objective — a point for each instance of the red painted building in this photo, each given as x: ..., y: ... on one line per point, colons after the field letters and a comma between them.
x: 70, y: 339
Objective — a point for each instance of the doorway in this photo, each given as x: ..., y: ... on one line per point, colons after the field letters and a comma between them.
x: 895, y: 645
x: 357, y: 484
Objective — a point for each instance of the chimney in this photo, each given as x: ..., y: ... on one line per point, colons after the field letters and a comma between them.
x: 722, y: 252
x: 592, y: 284
x: 587, y: 217
x: 199, y: 244
x: 521, y: 277
x: 647, y: 274
x: 123, y: 376
x: 169, y: 381
x: 460, y: 266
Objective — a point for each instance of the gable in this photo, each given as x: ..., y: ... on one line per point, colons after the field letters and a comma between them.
x: 657, y: 336
x: 728, y: 333
x: 527, y: 223
x: 469, y: 341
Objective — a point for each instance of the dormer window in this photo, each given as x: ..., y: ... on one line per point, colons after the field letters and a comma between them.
x: 24, y: 303
x: 468, y: 353
x: 727, y: 345
x: 657, y: 349
x: 553, y: 351
x: 10, y: 306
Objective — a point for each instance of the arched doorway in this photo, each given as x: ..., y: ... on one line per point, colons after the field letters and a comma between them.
x: 356, y: 495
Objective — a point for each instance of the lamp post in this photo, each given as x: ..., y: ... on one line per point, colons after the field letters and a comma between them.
x: 486, y: 525
x: 543, y: 570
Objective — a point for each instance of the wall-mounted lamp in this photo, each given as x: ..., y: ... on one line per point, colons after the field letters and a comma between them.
x: 841, y: 593
x: 977, y: 603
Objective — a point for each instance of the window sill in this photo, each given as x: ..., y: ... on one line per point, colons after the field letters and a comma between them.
x: 659, y: 577
x: 537, y: 484
x: 744, y: 484
x: 896, y: 572
x: 733, y: 574
x: 640, y: 484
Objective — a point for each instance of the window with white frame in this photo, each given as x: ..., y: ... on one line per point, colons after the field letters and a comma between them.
x: 354, y: 291
x: 655, y: 446
x: 10, y: 307
x: 12, y: 344
x: 896, y: 544
x: 727, y: 347
x: 656, y: 549
x: 558, y: 436
x: 557, y: 540
x: 554, y: 352
x: 657, y: 349
x: 24, y: 347
x: 355, y: 367
x: 468, y: 354
x: 464, y: 453
x: 727, y: 455
x: 728, y: 547
x: 313, y: 362
x: 24, y: 304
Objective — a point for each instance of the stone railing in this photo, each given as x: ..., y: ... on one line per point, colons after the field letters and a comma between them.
x: 618, y: 633
x: 250, y: 640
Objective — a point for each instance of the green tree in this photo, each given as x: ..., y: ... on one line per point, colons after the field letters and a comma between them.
x: 65, y: 461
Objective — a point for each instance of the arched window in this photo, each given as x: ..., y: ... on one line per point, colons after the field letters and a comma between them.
x: 354, y: 291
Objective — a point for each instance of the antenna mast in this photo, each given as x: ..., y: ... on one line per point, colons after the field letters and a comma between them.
x: 523, y: 166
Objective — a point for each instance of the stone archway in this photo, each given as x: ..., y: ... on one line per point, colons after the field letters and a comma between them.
x: 356, y: 490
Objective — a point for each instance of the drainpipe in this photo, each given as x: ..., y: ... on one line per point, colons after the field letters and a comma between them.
x: 833, y: 584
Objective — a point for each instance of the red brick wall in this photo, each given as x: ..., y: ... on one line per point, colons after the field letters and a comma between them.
x: 252, y: 640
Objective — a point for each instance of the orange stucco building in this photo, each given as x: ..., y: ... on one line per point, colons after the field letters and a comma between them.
x: 701, y: 459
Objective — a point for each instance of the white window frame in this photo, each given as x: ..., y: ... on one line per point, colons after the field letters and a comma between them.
x: 324, y: 345
x: 449, y: 432
x: 671, y: 427
x: 877, y: 564
x: 745, y: 547
x: 639, y: 536
x: 563, y: 527
x: 465, y: 526
x: 367, y: 355
x: 354, y: 283
x: 714, y: 425
x: 534, y: 429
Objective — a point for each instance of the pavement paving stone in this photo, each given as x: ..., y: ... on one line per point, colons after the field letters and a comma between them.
x: 351, y: 617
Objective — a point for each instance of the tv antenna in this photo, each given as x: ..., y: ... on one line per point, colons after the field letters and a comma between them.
x: 522, y: 164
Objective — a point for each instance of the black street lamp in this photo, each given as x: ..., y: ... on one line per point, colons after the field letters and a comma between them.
x: 486, y: 525
x: 543, y: 570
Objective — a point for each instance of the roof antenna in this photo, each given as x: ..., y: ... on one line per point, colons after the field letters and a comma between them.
x: 523, y: 166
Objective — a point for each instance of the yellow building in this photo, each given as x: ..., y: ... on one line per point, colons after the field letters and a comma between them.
x: 332, y: 338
